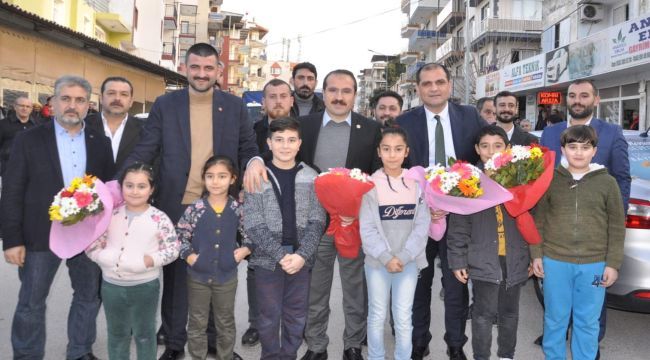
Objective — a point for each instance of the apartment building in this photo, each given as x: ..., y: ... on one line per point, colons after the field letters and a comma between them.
x: 185, y: 24
x: 605, y: 41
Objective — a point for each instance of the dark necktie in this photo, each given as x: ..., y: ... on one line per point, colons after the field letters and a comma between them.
x: 440, y: 143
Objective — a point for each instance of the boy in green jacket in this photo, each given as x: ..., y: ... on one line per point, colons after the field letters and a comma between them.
x: 582, y: 224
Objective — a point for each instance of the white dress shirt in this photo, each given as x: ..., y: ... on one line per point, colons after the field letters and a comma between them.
x: 446, y: 129
x: 115, y: 138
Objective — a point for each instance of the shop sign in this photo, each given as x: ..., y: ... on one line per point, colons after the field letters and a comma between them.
x: 549, y: 98
x: 525, y: 74
x: 630, y: 43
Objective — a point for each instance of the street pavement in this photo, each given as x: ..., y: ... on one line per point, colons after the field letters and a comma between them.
x: 627, y: 333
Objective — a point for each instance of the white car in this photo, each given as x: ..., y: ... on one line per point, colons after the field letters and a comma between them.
x: 557, y: 65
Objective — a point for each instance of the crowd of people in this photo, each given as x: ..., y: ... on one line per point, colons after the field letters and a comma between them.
x: 205, y: 189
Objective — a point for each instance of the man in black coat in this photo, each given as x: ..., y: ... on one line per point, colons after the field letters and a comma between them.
x: 437, y: 131
x: 507, y: 112
x: 18, y: 120
x: 114, y: 121
x: 304, y: 78
x: 44, y: 160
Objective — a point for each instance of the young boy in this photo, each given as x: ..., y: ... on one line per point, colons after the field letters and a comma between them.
x: 285, y: 222
x: 582, y: 223
x: 487, y: 248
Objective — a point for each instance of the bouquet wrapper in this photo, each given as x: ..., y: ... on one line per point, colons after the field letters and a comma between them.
x: 525, y: 197
x: 493, y: 194
x: 341, y: 195
x: 68, y: 241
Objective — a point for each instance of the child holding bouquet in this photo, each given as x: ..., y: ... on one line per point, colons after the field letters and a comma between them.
x: 394, y: 222
x: 487, y: 248
x: 139, y: 241
x: 208, y: 234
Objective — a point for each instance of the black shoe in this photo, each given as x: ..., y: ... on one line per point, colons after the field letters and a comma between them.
x: 251, y: 337
x: 236, y: 356
x: 456, y: 353
x: 170, y: 354
x: 419, y: 352
x: 310, y: 355
x: 88, y: 356
x: 352, y: 354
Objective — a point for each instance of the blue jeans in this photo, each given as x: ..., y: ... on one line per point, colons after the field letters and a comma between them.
x: 131, y: 313
x: 283, y: 313
x: 36, y: 277
x: 380, y: 283
x: 570, y: 287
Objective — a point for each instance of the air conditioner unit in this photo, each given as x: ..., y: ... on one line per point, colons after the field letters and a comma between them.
x: 591, y: 13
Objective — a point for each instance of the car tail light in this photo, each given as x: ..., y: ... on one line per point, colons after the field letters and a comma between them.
x: 638, y: 214
x: 643, y: 295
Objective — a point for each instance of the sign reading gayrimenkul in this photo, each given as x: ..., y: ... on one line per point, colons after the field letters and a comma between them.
x: 630, y: 43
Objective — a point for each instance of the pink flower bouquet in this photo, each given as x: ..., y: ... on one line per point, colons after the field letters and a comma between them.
x: 460, y: 189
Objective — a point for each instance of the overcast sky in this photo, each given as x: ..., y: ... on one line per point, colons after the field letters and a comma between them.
x: 327, y: 41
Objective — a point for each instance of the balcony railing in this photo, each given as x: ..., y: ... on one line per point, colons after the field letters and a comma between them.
x: 408, y: 57
x: 169, y: 51
x: 451, y: 15
x: 409, y: 29
x: 171, y: 17
x: 422, y: 39
x: 451, y: 47
x: 411, y: 70
x: 511, y: 26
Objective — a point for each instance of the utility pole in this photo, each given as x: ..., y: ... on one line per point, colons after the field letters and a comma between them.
x: 467, y: 53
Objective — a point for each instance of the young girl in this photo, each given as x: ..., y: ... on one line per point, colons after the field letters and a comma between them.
x: 394, y: 223
x: 139, y: 241
x: 208, y: 234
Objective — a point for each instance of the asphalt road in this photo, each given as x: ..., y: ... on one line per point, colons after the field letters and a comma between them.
x: 627, y: 333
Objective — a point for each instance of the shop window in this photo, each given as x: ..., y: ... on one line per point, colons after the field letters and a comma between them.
x: 630, y: 90
x: 609, y: 111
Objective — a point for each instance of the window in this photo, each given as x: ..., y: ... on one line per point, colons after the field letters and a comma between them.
x: 276, y: 71
x: 483, y: 62
x: 181, y: 56
x: 485, y: 12
x: 185, y: 27
x: 514, y: 56
x: 620, y: 14
x: 556, y: 37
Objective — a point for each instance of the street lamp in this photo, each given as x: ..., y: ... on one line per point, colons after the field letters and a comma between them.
x: 385, y: 69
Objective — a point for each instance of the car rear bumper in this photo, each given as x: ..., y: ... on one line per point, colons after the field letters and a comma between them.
x: 628, y: 303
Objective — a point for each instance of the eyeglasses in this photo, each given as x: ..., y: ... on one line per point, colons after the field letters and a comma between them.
x: 24, y: 106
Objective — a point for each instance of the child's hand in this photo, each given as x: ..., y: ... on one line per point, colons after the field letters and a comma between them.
x: 394, y: 265
x: 538, y: 268
x: 292, y: 263
x: 148, y: 261
x: 241, y: 253
x: 610, y: 275
x: 461, y: 275
x: 191, y: 259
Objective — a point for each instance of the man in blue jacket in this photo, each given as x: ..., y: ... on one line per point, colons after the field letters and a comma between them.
x: 437, y: 131
x: 611, y: 151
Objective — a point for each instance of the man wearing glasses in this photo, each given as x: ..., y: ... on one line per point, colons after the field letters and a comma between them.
x: 20, y: 119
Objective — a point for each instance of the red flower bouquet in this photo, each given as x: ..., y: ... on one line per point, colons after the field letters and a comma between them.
x: 340, y: 191
x: 526, y: 171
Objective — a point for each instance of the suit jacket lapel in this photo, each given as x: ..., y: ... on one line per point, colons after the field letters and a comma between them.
x: 130, y: 135
x: 219, y: 114
x: 353, y: 145
x: 456, y: 127
x: 183, y: 118
x: 49, y: 139
x: 311, y: 125
x: 420, y: 141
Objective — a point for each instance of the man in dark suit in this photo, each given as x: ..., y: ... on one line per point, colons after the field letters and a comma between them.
x: 437, y: 131
x: 44, y: 160
x: 338, y: 137
x: 507, y: 112
x: 611, y: 152
x: 185, y: 128
x: 114, y: 120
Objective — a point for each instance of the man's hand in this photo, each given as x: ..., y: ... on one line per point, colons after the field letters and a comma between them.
x: 438, y: 214
x: 15, y: 255
x: 241, y: 253
x: 191, y: 259
x: 292, y: 263
x: 346, y: 220
x: 462, y: 275
x: 538, y: 268
x: 255, y: 173
x: 394, y: 265
x: 148, y: 261
x: 610, y: 275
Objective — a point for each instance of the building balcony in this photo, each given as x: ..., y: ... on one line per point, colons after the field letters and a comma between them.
x: 404, y: 82
x: 409, y: 57
x: 255, y: 60
x: 112, y: 23
x: 512, y: 29
x: 451, y: 15
x: 411, y: 70
x: 421, y: 10
x: 451, y: 50
x: 409, y: 29
x: 188, y: 31
x: 406, y: 6
x: 169, y: 51
x: 421, y: 40
x: 171, y: 17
